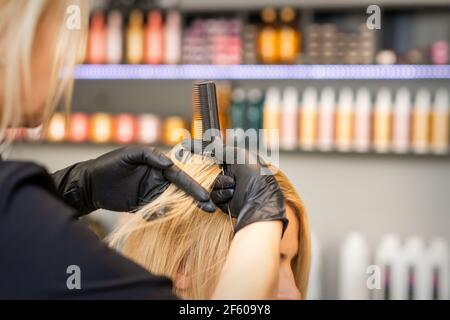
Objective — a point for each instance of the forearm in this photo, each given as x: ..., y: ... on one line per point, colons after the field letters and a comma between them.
x: 251, y: 268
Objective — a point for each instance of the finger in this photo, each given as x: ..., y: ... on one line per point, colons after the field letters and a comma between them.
x: 207, y: 206
x: 224, y: 182
x: 222, y: 196
x: 150, y: 156
x: 181, y: 179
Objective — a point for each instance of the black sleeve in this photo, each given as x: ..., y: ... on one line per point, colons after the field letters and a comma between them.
x: 40, y: 239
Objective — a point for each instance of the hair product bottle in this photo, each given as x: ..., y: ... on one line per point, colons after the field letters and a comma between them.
x: 421, y: 121
x: 401, y: 121
x: 268, y: 37
x: 363, y: 121
x: 326, y: 119
x: 237, y: 113
x: 289, y: 37
x: 149, y: 127
x: 308, y: 119
x: 114, y: 42
x: 289, y: 119
x: 439, y: 278
x: 100, y: 128
x: 125, y: 128
x: 56, y: 131
x: 387, y: 259
x: 440, y: 122
x: 174, y: 130
x: 271, y: 117
x: 154, y: 37
x: 96, y: 52
x: 415, y: 268
x: 172, y: 38
x: 135, y: 38
x: 79, y: 128
x: 354, y: 261
x: 254, y: 113
x: 382, y: 121
x: 344, y: 120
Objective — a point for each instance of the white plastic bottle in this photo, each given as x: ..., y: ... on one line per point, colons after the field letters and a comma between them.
x: 344, y: 120
x: 289, y: 119
x: 114, y: 36
x: 308, y: 119
x: 401, y: 121
x: 354, y: 261
x: 415, y: 268
x: 421, y: 121
x: 363, y: 121
x: 440, y: 122
x: 382, y: 119
x: 387, y: 259
x: 439, y: 278
x: 172, y: 38
x: 326, y: 121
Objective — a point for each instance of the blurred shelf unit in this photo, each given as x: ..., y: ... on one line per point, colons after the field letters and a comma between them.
x: 262, y: 72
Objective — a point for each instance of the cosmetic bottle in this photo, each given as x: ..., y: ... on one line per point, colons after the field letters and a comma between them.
x: 56, y: 131
x: 96, y: 53
x: 344, y: 120
x: 224, y: 96
x: 254, y: 110
x: 326, y: 122
x: 289, y: 37
x: 421, y: 121
x: 363, y: 121
x: 315, y: 283
x: 79, y: 128
x: 401, y: 121
x: 238, y: 109
x: 114, y: 51
x: 440, y: 52
x: 100, y: 128
x: 308, y: 119
x: 149, y: 127
x: 440, y: 122
x: 174, y: 131
x: 388, y: 259
x: 172, y: 38
x: 289, y: 119
x: 34, y: 134
x: 135, y: 38
x: 415, y: 268
x: 268, y: 38
x: 382, y: 120
x: 125, y: 128
x: 271, y: 117
x: 354, y: 261
x: 438, y: 259
x: 154, y: 37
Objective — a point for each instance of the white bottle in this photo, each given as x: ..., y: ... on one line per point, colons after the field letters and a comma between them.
x: 289, y: 119
x: 354, y: 261
x: 308, y: 119
x: 326, y: 119
x: 315, y: 283
x: 387, y: 259
x: 382, y: 121
x: 421, y: 121
x: 363, y: 121
x: 415, y: 268
x: 439, y: 276
x: 344, y: 120
x: 440, y: 122
x: 114, y: 36
x: 172, y: 38
x: 401, y: 121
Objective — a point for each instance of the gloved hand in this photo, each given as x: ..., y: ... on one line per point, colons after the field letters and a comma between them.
x: 257, y: 197
x: 127, y: 178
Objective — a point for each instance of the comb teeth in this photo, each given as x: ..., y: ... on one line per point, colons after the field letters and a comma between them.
x: 204, y: 110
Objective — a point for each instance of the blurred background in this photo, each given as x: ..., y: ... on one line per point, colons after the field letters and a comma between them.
x: 361, y: 102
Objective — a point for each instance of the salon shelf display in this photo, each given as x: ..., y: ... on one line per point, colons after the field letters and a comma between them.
x: 262, y: 72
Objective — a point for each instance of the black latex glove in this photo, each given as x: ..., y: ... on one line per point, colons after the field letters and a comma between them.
x: 257, y: 197
x: 127, y: 178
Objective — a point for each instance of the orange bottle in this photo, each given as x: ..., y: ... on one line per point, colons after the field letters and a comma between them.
x: 135, y: 38
x: 154, y: 38
x: 96, y: 52
x: 289, y: 37
x: 268, y: 38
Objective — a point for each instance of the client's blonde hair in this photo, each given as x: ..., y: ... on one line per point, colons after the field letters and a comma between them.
x: 172, y: 237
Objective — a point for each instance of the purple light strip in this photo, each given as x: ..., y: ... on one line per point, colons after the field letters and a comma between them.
x: 261, y: 72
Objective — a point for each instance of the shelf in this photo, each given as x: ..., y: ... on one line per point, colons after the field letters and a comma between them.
x: 261, y: 72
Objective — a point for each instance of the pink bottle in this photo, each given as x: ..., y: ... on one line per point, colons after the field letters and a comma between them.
x: 154, y: 38
x: 96, y: 52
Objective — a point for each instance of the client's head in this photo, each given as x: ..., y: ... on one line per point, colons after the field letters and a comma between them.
x: 172, y: 237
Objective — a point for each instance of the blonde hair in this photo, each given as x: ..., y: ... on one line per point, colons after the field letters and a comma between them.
x: 171, y: 236
x: 19, y: 24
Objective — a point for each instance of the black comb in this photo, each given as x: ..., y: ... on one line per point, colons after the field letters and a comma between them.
x: 205, y: 115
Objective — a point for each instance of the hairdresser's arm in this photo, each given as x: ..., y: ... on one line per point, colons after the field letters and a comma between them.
x: 251, y: 268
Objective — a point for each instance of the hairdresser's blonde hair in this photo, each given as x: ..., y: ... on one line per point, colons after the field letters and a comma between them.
x: 175, y: 238
x: 19, y: 24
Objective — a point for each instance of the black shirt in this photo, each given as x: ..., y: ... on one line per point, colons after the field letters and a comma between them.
x: 41, y: 238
